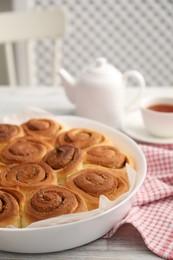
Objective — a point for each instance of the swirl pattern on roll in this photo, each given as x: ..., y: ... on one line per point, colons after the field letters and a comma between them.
x: 42, y: 128
x: 28, y: 176
x: 82, y: 138
x: 107, y: 156
x: 60, y: 170
x: 51, y: 201
x: 94, y: 181
x: 9, y: 132
x: 64, y: 160
x: 11, y: 203
x: 62, y: 156
x: 24, y: 149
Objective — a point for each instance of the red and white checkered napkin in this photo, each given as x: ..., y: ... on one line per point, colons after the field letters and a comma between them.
x: 152, y: 210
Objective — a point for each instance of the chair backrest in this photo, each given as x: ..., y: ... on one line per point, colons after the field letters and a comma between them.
x: 28, y: 25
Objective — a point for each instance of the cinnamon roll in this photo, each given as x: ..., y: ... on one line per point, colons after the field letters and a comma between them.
x: 82, y: 137
x: 51, y: 201
x: 44, y: 128
x: 28, y: 176
x: 64, y: 159
x: 107, y: 156
x: 24, y: 149
x: 93, y: 181
x: 47, y: 171
x: 11, y: 205
x: 9, y: 132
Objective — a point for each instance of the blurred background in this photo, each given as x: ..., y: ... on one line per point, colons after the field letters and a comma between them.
x: 131, y: 34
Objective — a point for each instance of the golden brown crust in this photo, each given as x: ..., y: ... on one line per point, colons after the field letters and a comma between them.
x: 108, y: 156
x: 9, y: 132
x: 64, y: 160
x: 41, y: 154
x: 27, y: 176
x: 105, y: 155
x: 44, y: 128
x: 51, y: 201
x: 82, y: 138
x: 11, y: 205
x: 93, y: 181
x: 24, y: 149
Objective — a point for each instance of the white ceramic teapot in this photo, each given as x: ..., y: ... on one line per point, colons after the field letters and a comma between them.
x: 99, y: 91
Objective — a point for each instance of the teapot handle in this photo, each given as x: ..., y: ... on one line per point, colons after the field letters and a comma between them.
x: 133, y: 74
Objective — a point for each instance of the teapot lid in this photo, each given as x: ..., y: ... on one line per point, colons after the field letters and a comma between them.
x: 101, y: 67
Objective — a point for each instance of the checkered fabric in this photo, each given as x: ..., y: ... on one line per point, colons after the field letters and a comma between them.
x: 152, y: 209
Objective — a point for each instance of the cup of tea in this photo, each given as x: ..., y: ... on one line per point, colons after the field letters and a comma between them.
x: 157, y: 114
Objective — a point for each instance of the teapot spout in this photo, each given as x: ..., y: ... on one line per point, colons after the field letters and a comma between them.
x: 69, y: 83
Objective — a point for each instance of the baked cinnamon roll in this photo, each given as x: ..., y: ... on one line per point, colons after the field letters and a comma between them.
x: 44, y: 128
x: 51, y: 201
x: 40, y: 155
x: 11, y: 205
x: 9, y: 132
x: 24, y: 149
x: 82, y: 138
x: 64, y: 160
x: 28, y: 176
x: 93, y: 181
x: 107, y: 156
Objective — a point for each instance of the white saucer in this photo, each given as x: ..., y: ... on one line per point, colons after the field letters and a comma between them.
x: 134, y: 127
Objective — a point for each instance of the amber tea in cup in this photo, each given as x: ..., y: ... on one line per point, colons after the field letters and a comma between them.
x: 167, y: 108
x: 157, y: 115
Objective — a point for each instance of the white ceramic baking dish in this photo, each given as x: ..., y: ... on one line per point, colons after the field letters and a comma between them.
x: 70, y: 235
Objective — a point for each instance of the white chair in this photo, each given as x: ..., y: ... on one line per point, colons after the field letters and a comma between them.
x: 28, y: 25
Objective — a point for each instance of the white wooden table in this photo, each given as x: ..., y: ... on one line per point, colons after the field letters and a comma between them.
x: 126, y: 243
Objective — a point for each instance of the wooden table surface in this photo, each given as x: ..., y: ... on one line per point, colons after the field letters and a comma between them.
x: 126, y: 243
